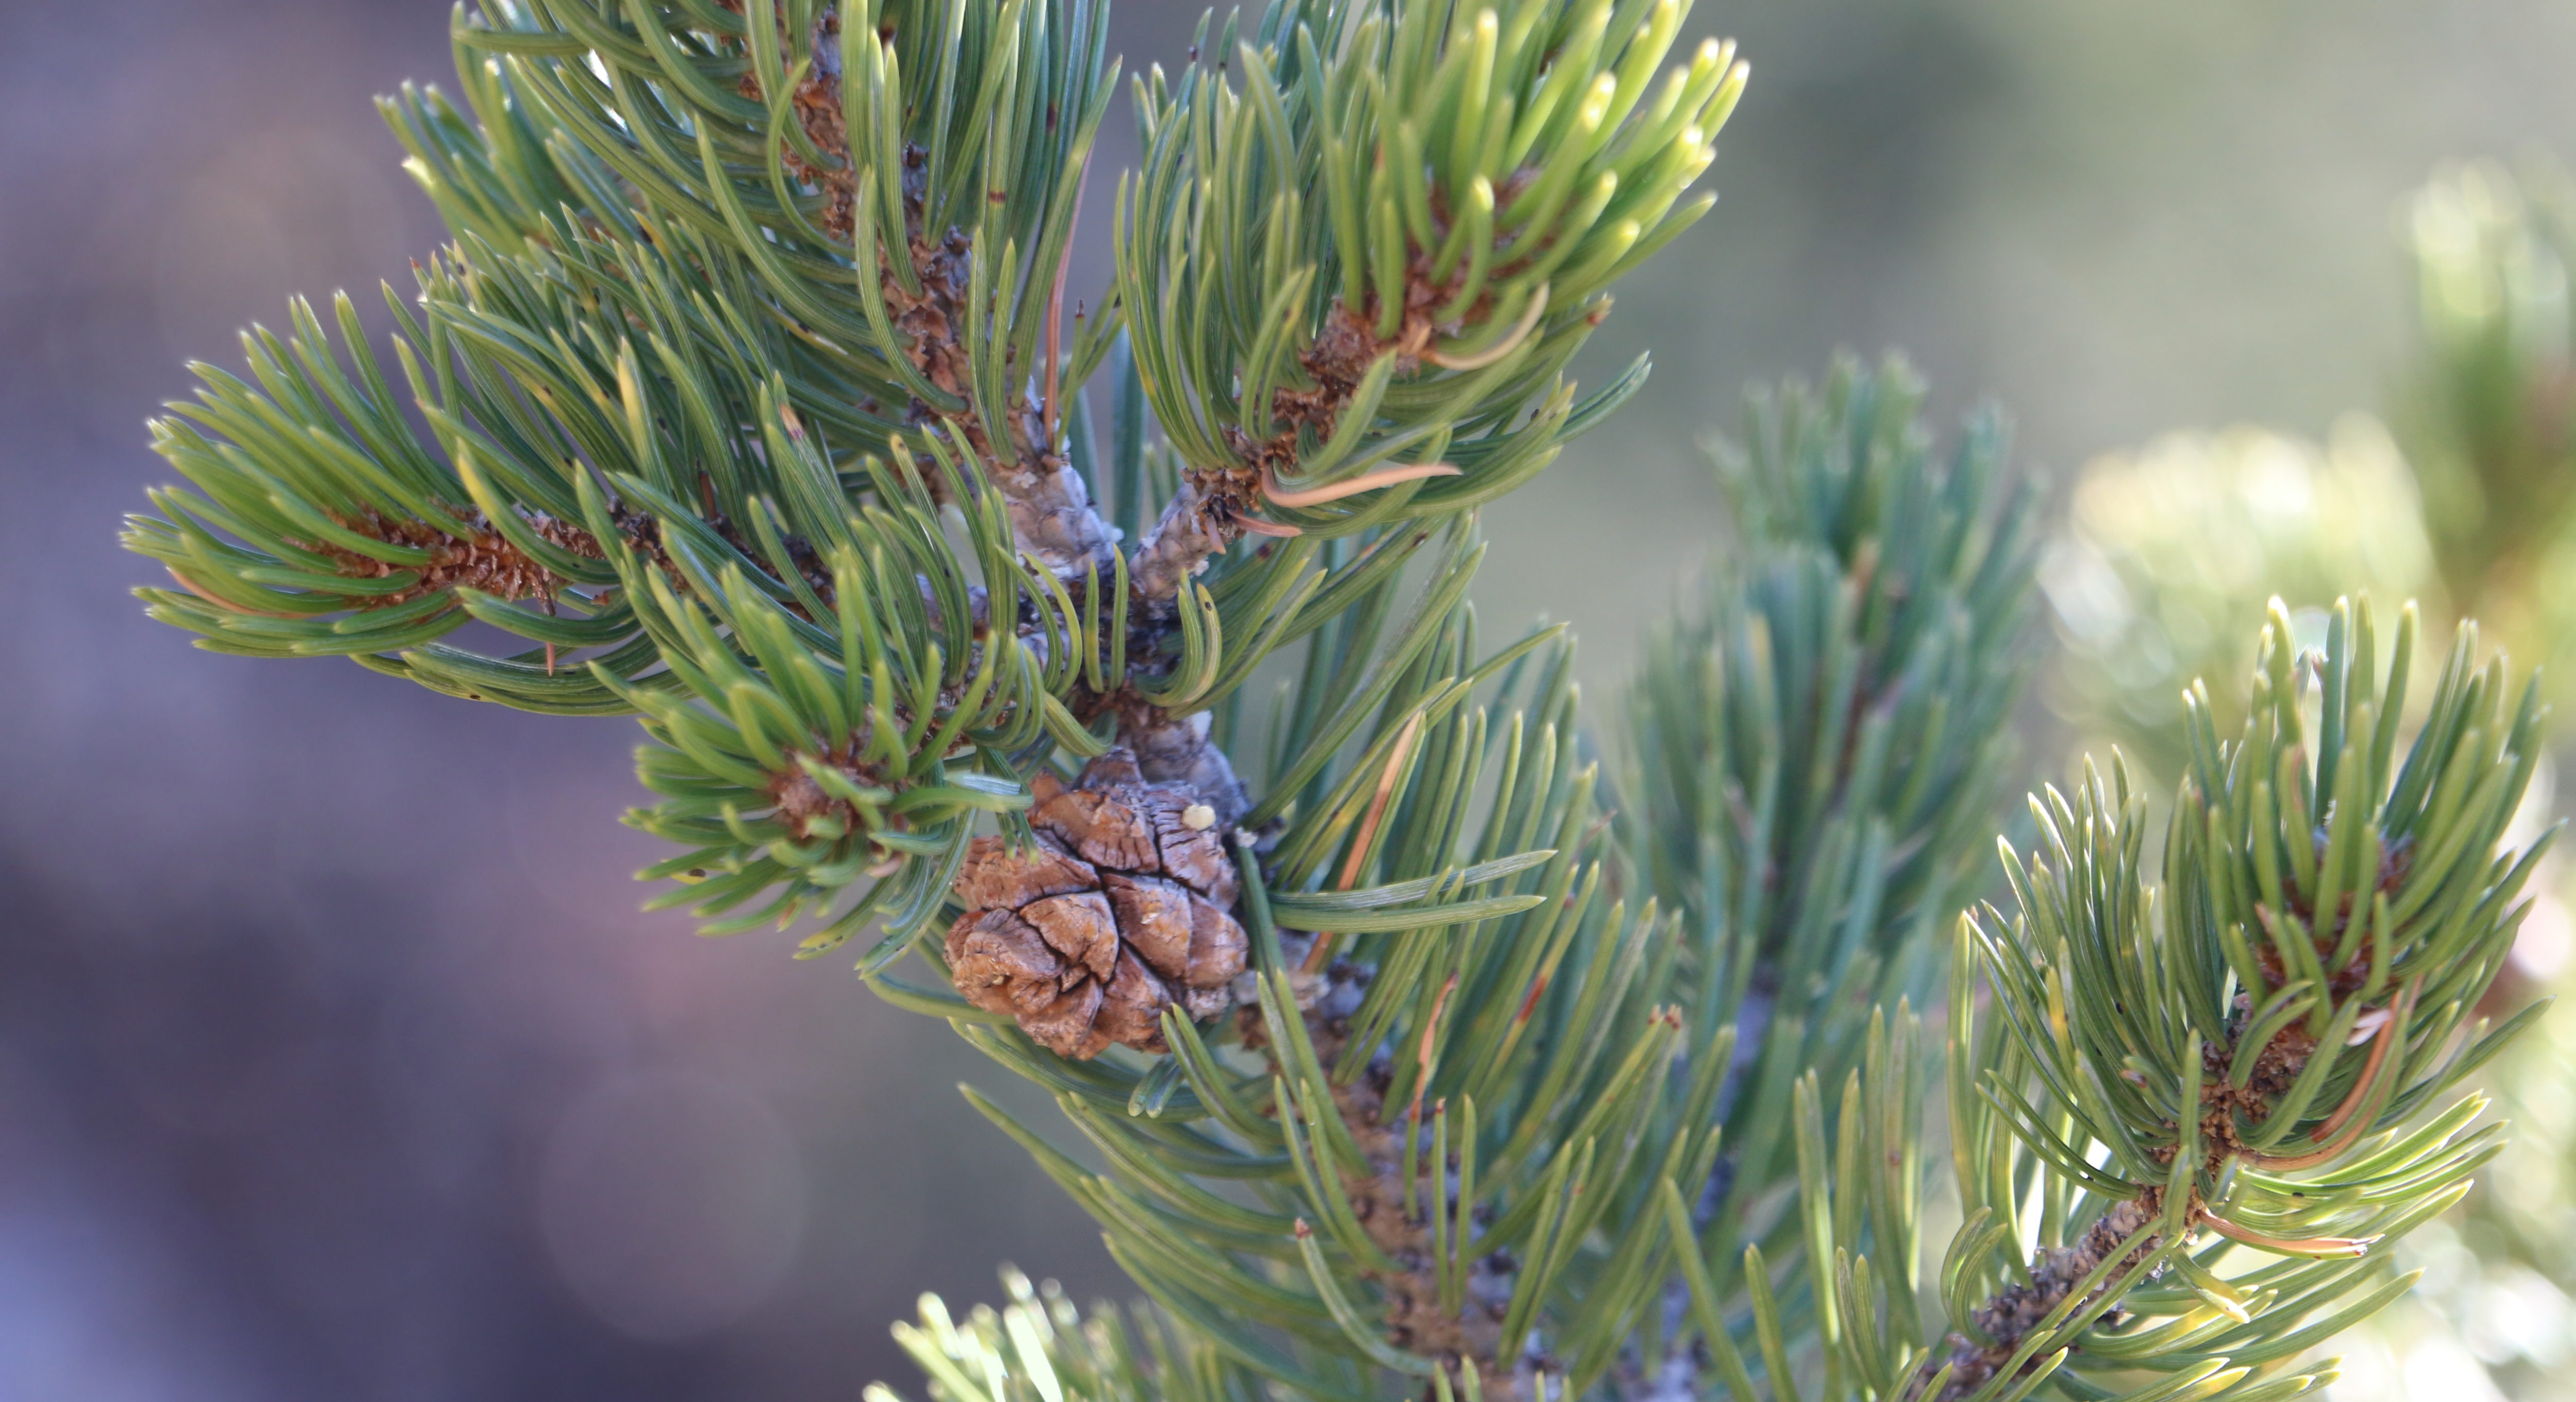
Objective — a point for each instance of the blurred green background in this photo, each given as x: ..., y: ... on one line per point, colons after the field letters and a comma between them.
x: 334, y: 1060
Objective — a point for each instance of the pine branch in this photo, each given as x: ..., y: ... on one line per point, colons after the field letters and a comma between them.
x: 693, y: 319
x: 2303, y: 1144
x: 1407, y: 1089
x: 746, y: 396
x: 2229, y: 1067
x: 2163, y: 542
x: 1820, y: 749
x: 1446, y: 194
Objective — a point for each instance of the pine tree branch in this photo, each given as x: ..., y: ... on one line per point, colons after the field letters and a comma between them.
x: 1818, y: 750
x: 744, y: 397
x: 2247, y: 1068
x: 1050, y: 511
x: 1182, y: 539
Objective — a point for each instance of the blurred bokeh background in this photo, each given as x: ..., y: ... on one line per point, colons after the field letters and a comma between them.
x: 334, y: 1058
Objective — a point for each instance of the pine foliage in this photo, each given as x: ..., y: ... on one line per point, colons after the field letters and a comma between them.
x: 2464, y: 503
x: 1820, y: 745
x: 747, y: 400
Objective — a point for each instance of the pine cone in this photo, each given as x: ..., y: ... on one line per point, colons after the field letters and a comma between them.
x: 1123, y: 908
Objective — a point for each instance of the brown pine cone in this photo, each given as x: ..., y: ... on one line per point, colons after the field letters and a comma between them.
x: 1123, y: 909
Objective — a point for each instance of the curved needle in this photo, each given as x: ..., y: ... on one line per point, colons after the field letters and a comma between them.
x: 2380, y: 1040
x: 1529, y: 319
x: 2342, y: 1129
x: 1257, y: 526
x: 1365, y: 482
x: 202, y: 592
x: 2312, y: 1246
x: 1055, y: 306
